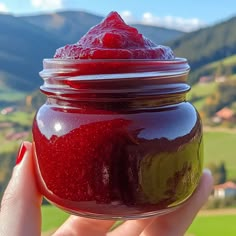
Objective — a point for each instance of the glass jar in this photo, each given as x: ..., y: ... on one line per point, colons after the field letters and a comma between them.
x: 116, y: 139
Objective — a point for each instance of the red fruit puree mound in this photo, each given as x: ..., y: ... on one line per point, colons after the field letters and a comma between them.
x: 113, y: 39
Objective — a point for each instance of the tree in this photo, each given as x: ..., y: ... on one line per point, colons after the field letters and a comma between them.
x: 223, y: 96
x: 219, y: 172
x: 222, y: 173
x: 220, y: 69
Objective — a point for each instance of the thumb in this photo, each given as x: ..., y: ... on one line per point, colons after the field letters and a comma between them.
x: 20, y: 208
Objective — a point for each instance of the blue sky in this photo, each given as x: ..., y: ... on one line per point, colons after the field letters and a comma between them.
x: 185, y: 14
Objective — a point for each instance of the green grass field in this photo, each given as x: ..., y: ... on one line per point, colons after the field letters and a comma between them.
x: 20, y: 117
x: 202, y: 91
x: 212, y: 225
x: 218, y: 225
x: 8, y: 95
x: 220, y: 146
x: 228, y: 61
x: 52, y: 217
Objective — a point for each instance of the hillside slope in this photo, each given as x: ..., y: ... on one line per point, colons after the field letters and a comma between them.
x: 22, y: 48
x: 70, y: 26
x: 25, y: 41
x: 207, y: 45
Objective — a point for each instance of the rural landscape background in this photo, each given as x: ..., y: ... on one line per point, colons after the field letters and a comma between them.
x: 211, y: 51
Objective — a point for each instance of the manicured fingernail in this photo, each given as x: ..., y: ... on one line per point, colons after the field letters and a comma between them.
x: 21, y: 153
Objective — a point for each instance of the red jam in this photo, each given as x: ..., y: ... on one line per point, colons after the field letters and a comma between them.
x: 112, y: 38
x: 116, y: 137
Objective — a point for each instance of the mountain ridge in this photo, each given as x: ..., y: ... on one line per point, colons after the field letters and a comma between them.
x: 68, y: 24
x: 18, y: 58
x: 207, y: 45
x: 26, y: 40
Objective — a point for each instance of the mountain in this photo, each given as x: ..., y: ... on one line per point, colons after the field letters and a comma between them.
x: 207, y: 45
x: 159, y: 35
x: 25, y: 41
x: 70, y: 26
x: 22, y: 48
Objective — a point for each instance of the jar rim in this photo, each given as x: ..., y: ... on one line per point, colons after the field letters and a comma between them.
x: 116, y: 76
x: 176, y: 60
x: 81, y: 67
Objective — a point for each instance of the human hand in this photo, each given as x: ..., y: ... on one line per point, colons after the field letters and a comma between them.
x: 20, y: 213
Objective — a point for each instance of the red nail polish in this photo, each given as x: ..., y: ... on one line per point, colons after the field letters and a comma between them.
x: 21, y: 153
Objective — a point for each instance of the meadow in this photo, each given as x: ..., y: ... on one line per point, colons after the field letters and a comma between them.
x: 201, y: 91
x: 52, y: 217
x: 220, y: 146
x: 214, y: 223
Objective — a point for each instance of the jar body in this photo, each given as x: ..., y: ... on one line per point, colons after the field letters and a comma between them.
x: 118, y: 163
x: 117, y: 138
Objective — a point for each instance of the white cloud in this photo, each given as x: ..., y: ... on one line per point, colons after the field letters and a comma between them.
x: 148, y: 18
x: 127, y: 16
x: 47, y: 4
x: 172, y: 22
x: 3, y: 7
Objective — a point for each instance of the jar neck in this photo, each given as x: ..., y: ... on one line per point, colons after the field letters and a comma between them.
x: 128, y: 84
x: 117, y: 105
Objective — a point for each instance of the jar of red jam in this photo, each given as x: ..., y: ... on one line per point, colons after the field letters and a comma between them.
x: 117, y: 138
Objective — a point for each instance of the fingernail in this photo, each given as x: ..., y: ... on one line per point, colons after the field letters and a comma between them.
x: 208, y: 171
x: 21, y: 153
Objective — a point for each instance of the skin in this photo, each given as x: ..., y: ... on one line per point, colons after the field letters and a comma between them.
x: 20, y: 213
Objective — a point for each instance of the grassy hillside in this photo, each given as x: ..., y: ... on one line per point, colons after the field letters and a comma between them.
x: 228, y: 61
x: 52, y: 217
x: 207, y: 45
x: 201, y: 91
x: 22, y: 48
x: 213, y: 225
x: 225, y: 66
x: 220, y: 146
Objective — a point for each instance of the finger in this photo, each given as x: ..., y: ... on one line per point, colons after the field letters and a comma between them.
x: 131, y: 227
x: 177, y: 222
x: 76, y: 225
x: 20, y: 207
